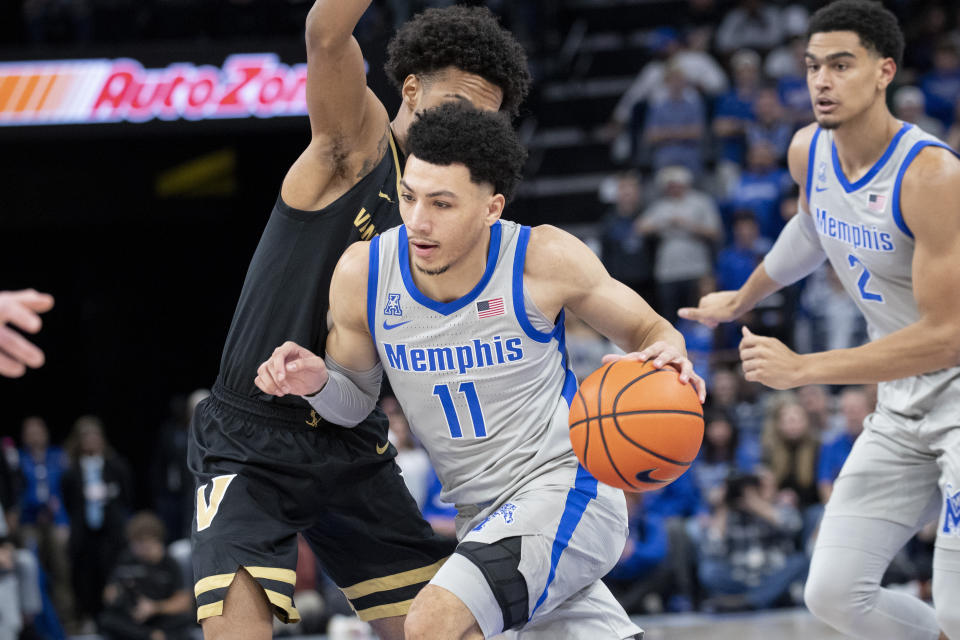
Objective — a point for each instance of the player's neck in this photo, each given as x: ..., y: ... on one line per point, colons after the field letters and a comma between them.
x: 862, y: 141
x: 460, y: 279
x: 400, y: 124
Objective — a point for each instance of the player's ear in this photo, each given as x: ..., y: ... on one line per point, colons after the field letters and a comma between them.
x: 412, y: 92
x: 888, y: 69
x: 495, y: 208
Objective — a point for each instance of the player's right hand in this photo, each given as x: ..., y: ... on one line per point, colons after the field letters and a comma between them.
x: 21, y: 309
x: 714, y: 308
x: 291, y: 370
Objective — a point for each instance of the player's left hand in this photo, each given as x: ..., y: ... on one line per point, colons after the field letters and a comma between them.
x: 663, y: 354
x: 769, y: 361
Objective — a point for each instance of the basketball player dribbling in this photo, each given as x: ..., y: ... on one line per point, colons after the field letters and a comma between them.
x: 268, y: 468
x: 465, y: 312
x: 881, y: 199
x: 21, y: 309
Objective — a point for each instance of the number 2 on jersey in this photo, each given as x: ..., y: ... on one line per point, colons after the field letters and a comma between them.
x: 469, y: 389
x: 864, y: 278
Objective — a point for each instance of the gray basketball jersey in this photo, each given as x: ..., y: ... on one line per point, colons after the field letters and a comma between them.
x: 485, y: 390
x: 863, y: 233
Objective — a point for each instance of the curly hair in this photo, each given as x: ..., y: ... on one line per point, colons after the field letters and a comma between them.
x: 468, y: 38
x: 876, y: 26
x: 484, y: 142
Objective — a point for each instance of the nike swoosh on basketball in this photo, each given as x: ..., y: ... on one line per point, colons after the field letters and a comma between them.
x: 644, y: 476
x: 382, y: 450
x: 394, y: 326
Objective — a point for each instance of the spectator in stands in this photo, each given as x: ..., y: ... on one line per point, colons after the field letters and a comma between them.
x: 790, y: 449
x: 622, y: 247
x: 953, y: 135
x: 855, y: 407
x: 411, y: 457
x: 441, y: 515
x: 770, y: 124
x: 817, y: 402
x: 20, y: 598
x: 835, y: 321
x: 640, y: 580
x: 909, y: 104
x: 720, y: 454
x: 144, y: 597
x: 788, y: 66
x: 675, y: 123
x: 737, y: 260
x: 585, y: 347
x: 754, y: 24
x: 172, y: 482
x: 733, y: 110
x: 749, y: 558
x: 688, y: 225
x: 761, y: 188
x: 699, y: 338
x: 941, y: 86
x: 97, y: 493
x: 730, y: 394
x: 43, y: 519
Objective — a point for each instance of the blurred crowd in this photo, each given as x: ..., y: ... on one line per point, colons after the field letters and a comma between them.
x: 702, y: 136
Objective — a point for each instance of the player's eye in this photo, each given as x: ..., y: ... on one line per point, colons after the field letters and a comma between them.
x: 406, y: 197
x: 441, y: 204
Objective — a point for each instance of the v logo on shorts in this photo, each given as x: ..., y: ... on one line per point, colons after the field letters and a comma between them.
x: 207, y: 511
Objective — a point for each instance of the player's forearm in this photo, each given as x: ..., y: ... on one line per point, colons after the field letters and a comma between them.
x: 659, y: 331
x: 757, y: 287
x: 919, y: 348
x: 330, y: 23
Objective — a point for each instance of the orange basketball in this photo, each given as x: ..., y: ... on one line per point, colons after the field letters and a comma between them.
x: 634, y: 426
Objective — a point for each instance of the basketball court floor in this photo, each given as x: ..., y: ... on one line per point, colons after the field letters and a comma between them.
x: 782, y: 624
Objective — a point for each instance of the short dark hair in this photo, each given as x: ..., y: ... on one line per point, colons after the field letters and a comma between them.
x: 484, y: 142
x: 876, y: 26
x: 468, y: 38
x: 146, y: 526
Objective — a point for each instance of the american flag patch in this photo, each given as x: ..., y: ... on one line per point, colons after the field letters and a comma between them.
x: 876, y: 202
x: 490, y: 308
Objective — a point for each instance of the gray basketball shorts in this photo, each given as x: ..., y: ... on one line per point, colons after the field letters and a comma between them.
x: 906, y: 472
x: 569, y: 538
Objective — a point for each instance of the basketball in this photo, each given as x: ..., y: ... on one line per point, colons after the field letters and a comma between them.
x: 636, y: 427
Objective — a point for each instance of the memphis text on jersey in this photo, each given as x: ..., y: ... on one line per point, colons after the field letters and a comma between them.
x: 462, y: 358
x: 855, y: 235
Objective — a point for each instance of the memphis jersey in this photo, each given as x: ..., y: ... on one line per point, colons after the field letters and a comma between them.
x: 483, y: 380
x: 863, y: 233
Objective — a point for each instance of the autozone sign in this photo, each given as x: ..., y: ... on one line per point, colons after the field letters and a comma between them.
x: 122, y: 90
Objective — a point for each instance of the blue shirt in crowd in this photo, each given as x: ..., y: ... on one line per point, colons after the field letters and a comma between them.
x: 832, y: 456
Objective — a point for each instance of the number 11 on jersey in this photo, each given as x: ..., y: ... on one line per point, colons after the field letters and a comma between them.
x: 468, y: 389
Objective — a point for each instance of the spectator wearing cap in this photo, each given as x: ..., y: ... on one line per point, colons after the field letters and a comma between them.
x: 909, y: 104
x: 688, y: 225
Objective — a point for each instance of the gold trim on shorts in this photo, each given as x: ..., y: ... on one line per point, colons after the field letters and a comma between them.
x: 223, y: 580
x: 386, y: 583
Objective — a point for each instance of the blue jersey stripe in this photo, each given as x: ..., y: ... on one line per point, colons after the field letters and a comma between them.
x: 519, y: 309
x: 914, y: 150
x: 372, y: 285
x: 447, y: 308
x: 851, y: 187
x: 584, y: 490
x: 810, y: 157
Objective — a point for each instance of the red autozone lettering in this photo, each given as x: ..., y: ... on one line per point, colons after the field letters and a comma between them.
x: 247, y: 84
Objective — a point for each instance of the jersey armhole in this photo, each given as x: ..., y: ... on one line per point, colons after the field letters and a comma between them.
x: 519, y: 302
x: 914, y: 150
x: 372, y: 285
x: 810, y: 156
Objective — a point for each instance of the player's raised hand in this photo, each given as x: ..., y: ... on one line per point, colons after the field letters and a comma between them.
x: 713, y: 308
x: 664, y: 354
x: 769, y: 361
x: 291, y: 369
x: 21, y: 309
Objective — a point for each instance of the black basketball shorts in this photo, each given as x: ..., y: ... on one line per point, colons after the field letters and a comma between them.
x: 265, y: 473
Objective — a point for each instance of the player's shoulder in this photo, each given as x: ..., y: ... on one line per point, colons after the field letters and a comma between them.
x: 799, y: 152
x: 352, y: 269
x: 550, y: 247
x: 934, y: 166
